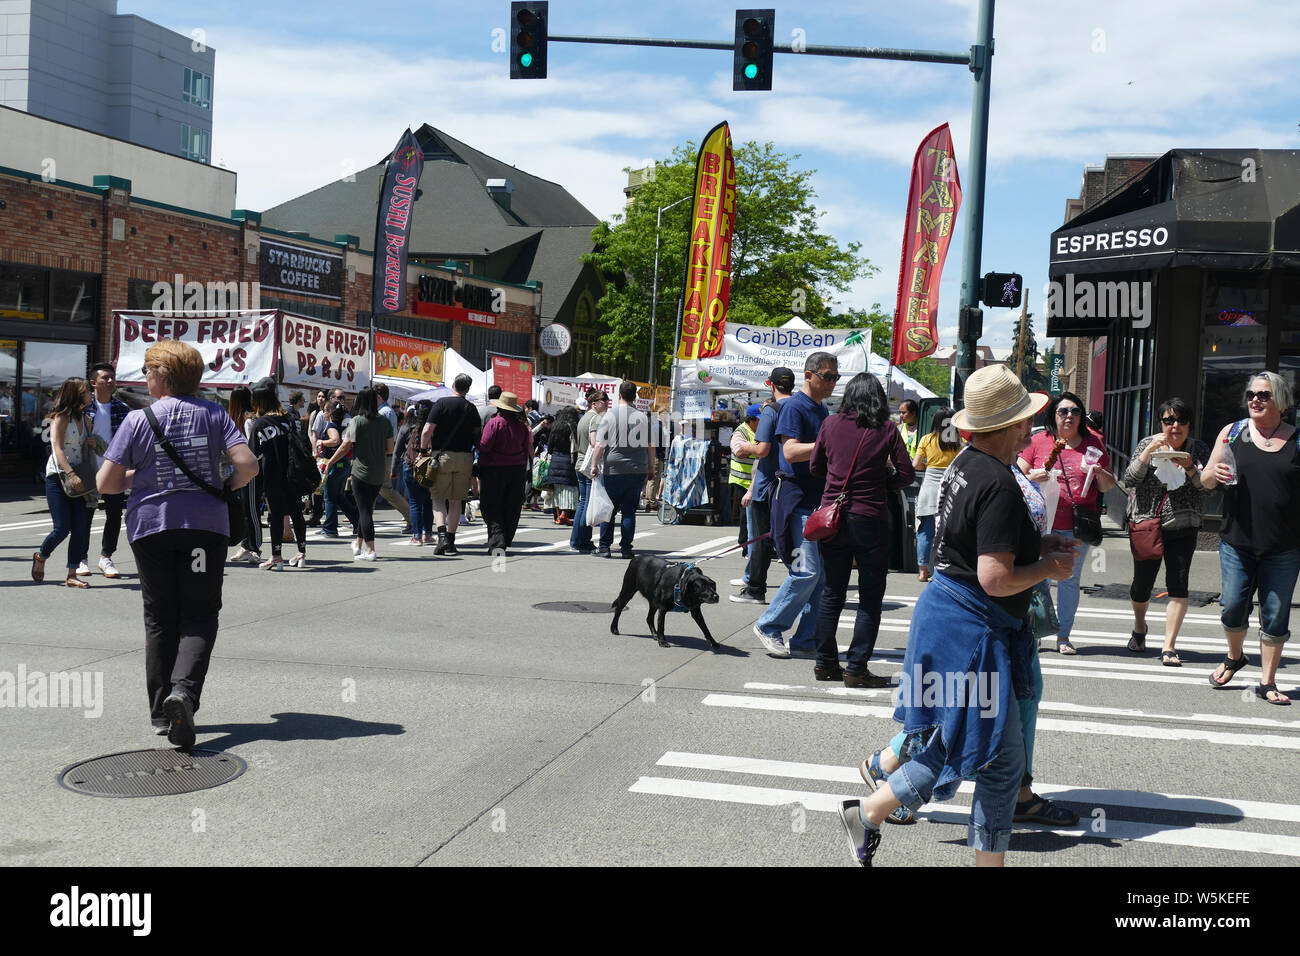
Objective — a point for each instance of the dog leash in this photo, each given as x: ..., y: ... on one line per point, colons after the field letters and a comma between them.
x: 765, y: 534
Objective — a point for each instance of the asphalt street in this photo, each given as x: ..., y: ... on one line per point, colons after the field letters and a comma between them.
x: 422, y: 711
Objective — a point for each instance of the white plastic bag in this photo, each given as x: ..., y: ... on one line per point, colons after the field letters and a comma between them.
x: 599, y: 506
x: 1051, y: 489
x: 1171, y: 473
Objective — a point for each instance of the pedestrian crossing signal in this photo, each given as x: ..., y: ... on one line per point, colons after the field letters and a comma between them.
x: 1002, y: 290
x: 528, y: 41
x: 752, y: 59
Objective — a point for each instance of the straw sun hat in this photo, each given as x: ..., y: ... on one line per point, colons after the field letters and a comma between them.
x: 995, y: 398
x: 508, y: 401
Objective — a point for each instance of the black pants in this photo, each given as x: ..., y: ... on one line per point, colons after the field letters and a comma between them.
x: 250, y: 496
x: 1179, y: 548
x: 865, y: 540
x: 501, y: 496
x: 180, y: 579
x: 280, y: 503
x: 761, y: 551
x: 738, y: 512
x: 113, y: 505
x: 364, y: 494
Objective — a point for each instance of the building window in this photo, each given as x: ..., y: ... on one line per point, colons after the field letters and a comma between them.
x: 1236, y: 321
x: 195, y: 143
x: 198, y: 89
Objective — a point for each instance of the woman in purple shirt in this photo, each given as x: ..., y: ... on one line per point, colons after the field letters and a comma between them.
x: 177, y: 531
x: 862, y: 456
x: 502, y: 470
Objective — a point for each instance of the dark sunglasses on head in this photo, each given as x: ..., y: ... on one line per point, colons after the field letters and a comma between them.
x: 1174, y: 420
x: 828, y: 376
x: 1067, y: 412
x: 1264, y: 396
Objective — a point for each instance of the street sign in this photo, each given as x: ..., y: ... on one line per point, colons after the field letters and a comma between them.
x: 1055, y: 372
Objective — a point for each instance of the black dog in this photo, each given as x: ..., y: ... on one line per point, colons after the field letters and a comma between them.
x: 665, y: 585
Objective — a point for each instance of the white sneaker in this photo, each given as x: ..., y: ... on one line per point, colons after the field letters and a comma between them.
x: 107, y: 567
x: 83, y: 570
x: 247, y: 557
x: 356, y: 550
x: 367, y: 556
x: 739, y: 583
x: 775, y: 646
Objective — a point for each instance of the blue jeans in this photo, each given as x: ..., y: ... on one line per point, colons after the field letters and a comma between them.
x: 625, y: 492
x: 996, y: 786
x: 924, y: 540
x: 865, y: 540
x: 1273, y: 575
x: 580, y: 536
x: 70, y: 517
x: 1067, y: 592
x: 799, y: 595
x: 420, y: 500
x: 337, y: 500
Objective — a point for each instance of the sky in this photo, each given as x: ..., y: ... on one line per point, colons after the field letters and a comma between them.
x: 1072, y: 83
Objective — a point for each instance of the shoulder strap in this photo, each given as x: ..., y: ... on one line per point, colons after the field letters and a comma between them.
x: 1237, y: 428
x: 175, y: 457
x: 849, y: 474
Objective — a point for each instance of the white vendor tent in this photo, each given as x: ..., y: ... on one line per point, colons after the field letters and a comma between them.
x: 453, y: 364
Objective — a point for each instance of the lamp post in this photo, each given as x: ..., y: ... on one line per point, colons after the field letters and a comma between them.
x: 654, y: 289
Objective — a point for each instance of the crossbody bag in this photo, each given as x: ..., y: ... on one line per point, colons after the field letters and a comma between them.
x: 428, y: 463
x: 825, y: 521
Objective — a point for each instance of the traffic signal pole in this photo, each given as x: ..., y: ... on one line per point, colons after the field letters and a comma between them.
x: 981, y: 64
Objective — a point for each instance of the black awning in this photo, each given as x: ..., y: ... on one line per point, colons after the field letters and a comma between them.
x: 1211, y: 208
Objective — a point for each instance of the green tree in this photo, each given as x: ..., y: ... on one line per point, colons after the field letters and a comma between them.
x: 1030, y: 375
x: 931, y: 373
x: 781, y: 263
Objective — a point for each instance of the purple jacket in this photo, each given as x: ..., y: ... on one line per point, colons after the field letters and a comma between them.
x: 870, y: 480
x: 506, y: 441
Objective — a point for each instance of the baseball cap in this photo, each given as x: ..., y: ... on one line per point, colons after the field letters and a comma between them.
x: 266, y: 384
x: 754, y: 410
x: 782, y: 378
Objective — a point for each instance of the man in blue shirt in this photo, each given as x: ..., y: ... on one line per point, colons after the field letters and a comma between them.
x: 758, y: 499
x: 798, y: 493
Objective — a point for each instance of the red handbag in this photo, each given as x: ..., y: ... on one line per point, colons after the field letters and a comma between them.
x: 1145, y: 539
x: 825, y: 521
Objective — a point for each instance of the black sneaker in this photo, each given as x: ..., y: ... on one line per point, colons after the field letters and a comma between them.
x: 180, y: 720
x: 862, y: 841
x: 602, y: 553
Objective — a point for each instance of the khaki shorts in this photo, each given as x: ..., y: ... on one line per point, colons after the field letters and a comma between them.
x: 452, y: 482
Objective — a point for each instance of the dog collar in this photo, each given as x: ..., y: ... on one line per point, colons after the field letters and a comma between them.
x: 677, y: 589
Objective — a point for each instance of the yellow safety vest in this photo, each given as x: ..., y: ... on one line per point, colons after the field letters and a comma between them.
x: 742, y: 469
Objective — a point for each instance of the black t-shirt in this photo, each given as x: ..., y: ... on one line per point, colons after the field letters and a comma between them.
x: 270, y: 443
x: 984, y: 512
x: 456, y: 419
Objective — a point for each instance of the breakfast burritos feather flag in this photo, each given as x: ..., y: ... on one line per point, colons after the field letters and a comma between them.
x: 708, y: 260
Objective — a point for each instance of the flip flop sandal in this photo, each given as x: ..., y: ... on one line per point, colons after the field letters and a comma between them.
x: 1138, y: 642
x: 1041, y: 810
x: 874, y: 776
x: 1230, y: 667
x: 1263, y: 690
x: 75, y: 583
x: 1065, y: 647
x: 1170, y: 659
x: 38, y: 567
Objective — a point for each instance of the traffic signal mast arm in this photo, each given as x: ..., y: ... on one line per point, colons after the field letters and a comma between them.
x: 858, y: 52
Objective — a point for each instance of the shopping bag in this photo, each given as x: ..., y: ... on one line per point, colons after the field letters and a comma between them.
x: 541, y: 471
x: 599, y: 507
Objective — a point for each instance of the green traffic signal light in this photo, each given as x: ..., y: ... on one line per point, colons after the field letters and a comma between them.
x: 526, y: 60
x: 751, y: 70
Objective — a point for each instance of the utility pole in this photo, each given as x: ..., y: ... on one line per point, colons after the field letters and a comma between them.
x: 1024, y: 318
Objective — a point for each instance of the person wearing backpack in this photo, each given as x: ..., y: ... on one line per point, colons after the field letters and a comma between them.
x: 273, y: 439
x: 1258, y: 460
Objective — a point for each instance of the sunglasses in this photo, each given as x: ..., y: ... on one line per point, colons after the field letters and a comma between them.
x: 1264, y: 396
x: 828, y: 376
x: 1172, y: 420
x: 1068, y: 412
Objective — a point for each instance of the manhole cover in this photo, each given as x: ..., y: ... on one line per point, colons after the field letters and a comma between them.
x: 1119, y: 592
x: 151, y: 773
x: 576, y: 607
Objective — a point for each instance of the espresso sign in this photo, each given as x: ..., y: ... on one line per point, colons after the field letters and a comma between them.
x: 303, y: 271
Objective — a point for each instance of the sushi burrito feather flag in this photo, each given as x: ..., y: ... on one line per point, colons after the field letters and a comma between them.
x: 393, y: 225
x: 708, y: 261
x: 932, y: 204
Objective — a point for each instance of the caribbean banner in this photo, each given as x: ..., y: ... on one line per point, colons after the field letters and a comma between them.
x: 932, y: 204
x: 393, y: 225
x: 708, y: 261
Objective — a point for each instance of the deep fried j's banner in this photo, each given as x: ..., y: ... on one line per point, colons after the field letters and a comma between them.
x: 324, y: 355
x: 237, y: 350
x: 932, y: 204
x: 393, y: 225
x: 708, y: 257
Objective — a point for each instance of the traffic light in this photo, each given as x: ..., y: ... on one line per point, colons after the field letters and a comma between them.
x: 1002, y: 290
x: 752, y: 63
x: 970, y: 323
x: 528, y: 41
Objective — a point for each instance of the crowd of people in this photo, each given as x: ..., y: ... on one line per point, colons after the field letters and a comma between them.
x: 1002, y: 512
